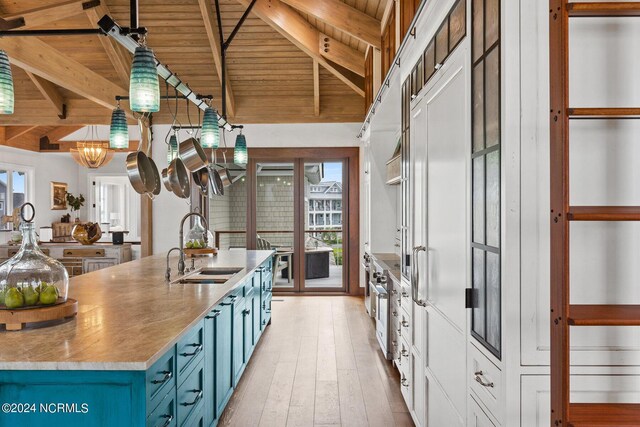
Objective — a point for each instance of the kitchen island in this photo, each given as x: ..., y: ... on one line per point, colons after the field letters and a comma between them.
x: 140, y: 352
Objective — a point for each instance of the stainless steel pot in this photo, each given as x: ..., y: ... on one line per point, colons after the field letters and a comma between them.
x: 216, y: 182
x: 192, y: 154
x: 224, y: 173
x: 179, y: 178
x: 165, y: 180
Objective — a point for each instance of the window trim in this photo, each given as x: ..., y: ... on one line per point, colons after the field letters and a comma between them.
x: 29, y: 171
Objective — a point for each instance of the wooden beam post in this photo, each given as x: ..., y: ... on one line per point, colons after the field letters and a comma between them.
x: 284, y: 19
x: 211, y: 27
x: 47, y: 14
x: 37, y: 57
x: 316, y: 88
x: 343, y: 17
x: 14, y: 132
x: 50, y: 93
x: 341, y: 54
x: 119, y: 57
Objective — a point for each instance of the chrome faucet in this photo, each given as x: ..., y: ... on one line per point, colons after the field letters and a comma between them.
x: 167, y: 274
x: 181, y: 244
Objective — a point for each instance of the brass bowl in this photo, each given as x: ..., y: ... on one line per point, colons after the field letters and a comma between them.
x: 86, y: 233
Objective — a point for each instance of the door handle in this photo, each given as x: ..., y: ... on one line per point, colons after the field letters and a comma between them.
x: 415, y: 275
x: 479, y: 379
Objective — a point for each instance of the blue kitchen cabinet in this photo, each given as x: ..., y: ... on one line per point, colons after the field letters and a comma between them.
x: 210, y: 406
x: 247, y: 318
x: 223, y: 356
x: 238, y: 339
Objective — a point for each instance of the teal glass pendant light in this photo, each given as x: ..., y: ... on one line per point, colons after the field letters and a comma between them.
x: 172, y: 149
x: 119, y: 131
x: 144, y: 89
x: 210, y: 136
x: 240, y: 155
x: 6, y: 85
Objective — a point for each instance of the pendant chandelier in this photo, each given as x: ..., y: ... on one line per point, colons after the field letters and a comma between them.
x: 6, y: 85
x: 210, y: 136
x: 144, y: 89
x: 240, y: 155
x: 119, y: 130
x: 90, y: 153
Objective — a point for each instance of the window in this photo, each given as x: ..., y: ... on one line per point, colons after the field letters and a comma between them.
x: 336, y: 219
x: 337, y: 205
x: 115, y: 203
x: 14, y: 189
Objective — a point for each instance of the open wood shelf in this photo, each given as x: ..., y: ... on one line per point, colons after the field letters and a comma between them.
x: 603, y: 113
x: 604, y: 414
x: 604, y: 315
x: 624, y: 8
x: 604, y: 213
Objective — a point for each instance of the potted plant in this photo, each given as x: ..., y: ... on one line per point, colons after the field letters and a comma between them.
x: 75, y: 203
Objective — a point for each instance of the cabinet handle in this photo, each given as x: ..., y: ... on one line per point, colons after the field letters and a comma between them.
x: 198, y: 397
x: 394, y: 292
x: 480, y: 381
x: 196, y: 351
x: 405, y: 324
x: 404, y: 353
x: 246, y: 312
x: 415, y: 276
x: 167, y: 376
x: 405, y: 294
x: 215, y: 314
x: 169, y: 418
x: 225, y: 303
x: 394, y: 313
x: 404, y: 382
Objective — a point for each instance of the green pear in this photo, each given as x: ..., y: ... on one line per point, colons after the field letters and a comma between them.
x: 30, y: 295
x: 49, y: 295
x: 190, y: 244
x: 13, y: 298
x: 1, y: 296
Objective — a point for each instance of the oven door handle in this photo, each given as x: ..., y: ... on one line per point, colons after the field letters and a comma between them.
x: 415, y: 275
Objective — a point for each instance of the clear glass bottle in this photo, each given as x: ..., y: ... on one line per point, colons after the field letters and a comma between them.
x: 30, y: 278
x: 198, y: 237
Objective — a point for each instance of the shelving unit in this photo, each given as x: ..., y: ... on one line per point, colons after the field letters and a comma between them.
x: 563, y: 314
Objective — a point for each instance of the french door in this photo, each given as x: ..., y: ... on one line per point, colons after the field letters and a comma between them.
x: 300, y: 206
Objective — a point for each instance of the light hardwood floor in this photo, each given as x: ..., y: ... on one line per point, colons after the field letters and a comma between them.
x: 318, y: 364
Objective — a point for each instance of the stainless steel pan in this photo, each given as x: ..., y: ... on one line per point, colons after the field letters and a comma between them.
x: 165, y: 180
x: 179, y: 178
x: 157, y: 183
x: 201, y: 179
x: 139, y: 168
x: 192, y: 154
x: 224, y: 173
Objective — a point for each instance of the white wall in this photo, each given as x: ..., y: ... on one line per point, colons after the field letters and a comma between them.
x: 46, y: 167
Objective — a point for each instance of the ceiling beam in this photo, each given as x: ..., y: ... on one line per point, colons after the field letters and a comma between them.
x: 50, y: 93
x: 120, y: 58
x: 37, y: 57
x: 285, y: 20
x: 316, y: 88
x: 8, y: 138
x: 211, y: 27
x: 343, y: 17
x: 341, y: 54
x: 14, y: 132
x: 48, y: 14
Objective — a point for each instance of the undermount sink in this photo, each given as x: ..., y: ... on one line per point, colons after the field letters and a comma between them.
x: 209, y: 276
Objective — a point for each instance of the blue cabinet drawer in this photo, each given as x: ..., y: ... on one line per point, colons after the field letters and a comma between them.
x: 191, y: 392
x: 160, y: 378
x: 189, y: 348
x: 197, y: 417
x: 165, y: 414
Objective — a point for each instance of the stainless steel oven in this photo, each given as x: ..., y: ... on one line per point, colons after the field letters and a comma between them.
x: 378, y: 286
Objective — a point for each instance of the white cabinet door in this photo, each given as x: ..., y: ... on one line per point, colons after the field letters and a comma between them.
x: 584, y: 389
x: 447, y: 254
x: 477, y: 417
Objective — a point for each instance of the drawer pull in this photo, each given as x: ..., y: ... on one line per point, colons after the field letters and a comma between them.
x: 404, y: 353
x: 480, y: 381
x: 169, y: 418
x: 399, y: 302
x: 198, y: 397
x: 394, y: 292
x: 246, y: 312
x: 405, y: 294
x: 225, y: 303
x: 404, y: 382
x: 167, y: 376
x: 394, y: 313
x: 196, y: 351
x: 405, y: 324
x: 215, y: 314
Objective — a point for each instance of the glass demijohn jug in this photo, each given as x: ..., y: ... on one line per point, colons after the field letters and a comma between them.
x: 30, y: 278
x: 198, y: 236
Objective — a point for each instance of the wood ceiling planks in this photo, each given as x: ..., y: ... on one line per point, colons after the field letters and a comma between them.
x: 272, y: 79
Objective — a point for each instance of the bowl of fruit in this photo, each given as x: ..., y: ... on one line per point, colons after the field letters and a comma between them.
x: 26, y: 295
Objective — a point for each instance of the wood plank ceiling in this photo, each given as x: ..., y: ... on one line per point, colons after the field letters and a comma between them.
x: 271, y: 77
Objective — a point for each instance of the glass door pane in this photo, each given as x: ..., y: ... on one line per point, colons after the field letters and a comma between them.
x: 228, y: 213
x: 275, y: 217
x: 4, y: 205
x: 324, y: 208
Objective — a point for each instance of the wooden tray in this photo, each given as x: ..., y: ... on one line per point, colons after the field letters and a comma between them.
x: 15, y: 320
x: 200, y: 252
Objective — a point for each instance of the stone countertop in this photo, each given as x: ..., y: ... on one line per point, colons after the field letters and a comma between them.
x: 390, y: 262
x: 128, y: 316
